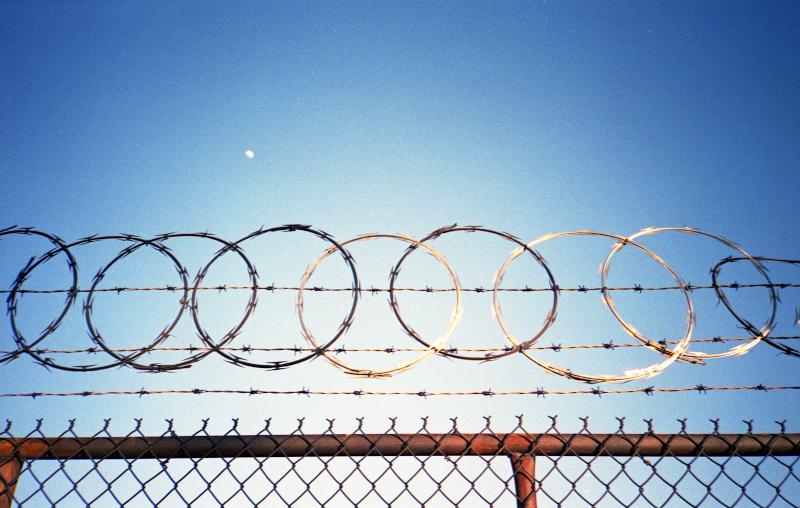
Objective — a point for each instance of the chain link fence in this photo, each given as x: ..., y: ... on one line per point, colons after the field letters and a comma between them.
x: 423, y: 468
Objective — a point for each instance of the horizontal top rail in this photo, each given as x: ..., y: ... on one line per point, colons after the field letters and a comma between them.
x: 363, y: 445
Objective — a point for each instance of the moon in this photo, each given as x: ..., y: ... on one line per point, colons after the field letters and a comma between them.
x: 249, y: 154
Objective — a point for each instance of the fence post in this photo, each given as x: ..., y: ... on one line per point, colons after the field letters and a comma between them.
x: 524, y: 467
x: 10, y: 468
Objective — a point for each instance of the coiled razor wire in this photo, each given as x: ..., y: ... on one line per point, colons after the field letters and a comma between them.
x: 432, y: 348
x: 328, y: 348
x: 671, y: 356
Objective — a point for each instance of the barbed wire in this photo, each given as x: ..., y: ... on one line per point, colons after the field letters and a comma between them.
x: 376, y: 290
x: 715, y: 271
x: 188, y: 303
x: 539, y: 392
x: 610, y: 345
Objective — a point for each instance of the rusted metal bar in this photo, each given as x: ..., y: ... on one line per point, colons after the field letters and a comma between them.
x: 10, y: 468
x: 684, y: 445
x: 524, y: 467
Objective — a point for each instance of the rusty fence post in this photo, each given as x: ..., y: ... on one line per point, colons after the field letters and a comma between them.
x: 524, y: 467
x: 10, y: 468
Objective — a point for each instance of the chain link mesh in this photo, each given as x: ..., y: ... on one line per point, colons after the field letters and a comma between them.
x: 424, y: 468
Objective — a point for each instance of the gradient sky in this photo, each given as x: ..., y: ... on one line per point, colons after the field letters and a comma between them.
x: 402, y: 117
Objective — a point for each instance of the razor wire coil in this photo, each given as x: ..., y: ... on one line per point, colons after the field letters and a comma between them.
x: 34, y: 347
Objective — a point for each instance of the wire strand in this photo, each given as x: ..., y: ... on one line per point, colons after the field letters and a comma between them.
x: 650, y: 390
x: 390, y: 350
x: 322, y: 289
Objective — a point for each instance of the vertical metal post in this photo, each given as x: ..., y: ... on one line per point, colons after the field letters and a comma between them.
x: 524, y: 468
x: 10, y: 468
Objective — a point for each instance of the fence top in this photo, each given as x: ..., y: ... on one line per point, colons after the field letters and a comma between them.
x: 486, y: 442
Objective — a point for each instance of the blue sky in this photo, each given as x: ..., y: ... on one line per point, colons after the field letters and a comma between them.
x: 404, y: 117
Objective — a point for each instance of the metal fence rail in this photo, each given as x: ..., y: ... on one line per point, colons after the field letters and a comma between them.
x: 423, y: 468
